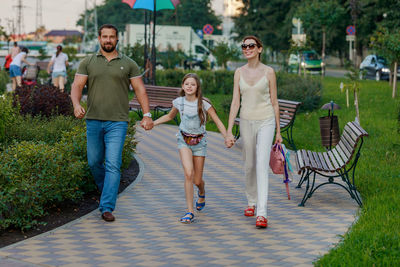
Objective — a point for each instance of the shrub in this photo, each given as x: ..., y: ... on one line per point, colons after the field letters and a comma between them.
x: 129, y: 146
x: 171, y: 78
x: 7, y: 116
x: 307, y: 90
x: 4, y: 79
x: 292, y: 87
x: 41, y: 129
x: 224, y: 81
x: 34, y: 176
x: 208, y: 84
x: 44, y: 100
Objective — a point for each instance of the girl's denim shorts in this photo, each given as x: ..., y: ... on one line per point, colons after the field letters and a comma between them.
x: 58, y: 74
x: 199, y: 150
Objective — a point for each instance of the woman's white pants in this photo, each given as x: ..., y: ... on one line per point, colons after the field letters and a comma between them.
x: 257, y: 137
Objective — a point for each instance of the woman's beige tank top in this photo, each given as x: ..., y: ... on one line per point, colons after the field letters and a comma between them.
x: 256, y: 100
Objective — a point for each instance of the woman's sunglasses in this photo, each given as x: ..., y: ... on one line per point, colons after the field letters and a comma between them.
x: 251, y: 46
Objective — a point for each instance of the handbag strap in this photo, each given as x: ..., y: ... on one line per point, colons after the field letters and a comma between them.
x: 287, y: 180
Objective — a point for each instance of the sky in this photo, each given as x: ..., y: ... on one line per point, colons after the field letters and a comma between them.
x: 56, y: 14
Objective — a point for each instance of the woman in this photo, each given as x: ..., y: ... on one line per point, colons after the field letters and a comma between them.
x: 255, y: 83
x: 15, y: 67
x: 60, y: 62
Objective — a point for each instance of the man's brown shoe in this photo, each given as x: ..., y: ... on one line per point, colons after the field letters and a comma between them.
x: 108, y: 217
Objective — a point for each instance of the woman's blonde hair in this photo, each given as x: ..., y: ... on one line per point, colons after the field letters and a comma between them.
x: 199, y: 96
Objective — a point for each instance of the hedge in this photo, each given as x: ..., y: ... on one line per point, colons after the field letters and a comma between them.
x: 4, y: 79
x: 43, y: 163
x: 307, y: 90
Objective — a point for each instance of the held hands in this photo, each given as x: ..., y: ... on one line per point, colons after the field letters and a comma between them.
x: 229, y: 140
x: 79, y: 111
x: 147, y: 123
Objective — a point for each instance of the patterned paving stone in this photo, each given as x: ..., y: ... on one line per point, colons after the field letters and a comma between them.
x: 147, y: 231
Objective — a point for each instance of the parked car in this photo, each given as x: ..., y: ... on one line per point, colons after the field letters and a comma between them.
x: 309, y: 60
x: 375, y: 67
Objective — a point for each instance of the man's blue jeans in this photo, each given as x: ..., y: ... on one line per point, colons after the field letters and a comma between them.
x: 105, y: 142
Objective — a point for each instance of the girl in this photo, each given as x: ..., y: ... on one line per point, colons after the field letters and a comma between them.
x: 255, y: 84
x: 15, y: 67
x: 60, y: 62
x: 192, y: 138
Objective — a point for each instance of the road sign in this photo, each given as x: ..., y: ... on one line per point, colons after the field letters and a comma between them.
x: 208, y: 29
x: 199, y: 33
x: 350, y: 37
x: 351, y: 30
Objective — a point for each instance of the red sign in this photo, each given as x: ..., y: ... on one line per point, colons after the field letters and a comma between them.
x: 208, y: 29
x: 351, y: 30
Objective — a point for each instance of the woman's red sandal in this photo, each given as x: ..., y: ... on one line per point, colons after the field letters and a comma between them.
x: 261, y: 222
x: 249, y: 212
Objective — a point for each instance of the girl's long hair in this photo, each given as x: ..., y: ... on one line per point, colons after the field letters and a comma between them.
x: 59, y: 49
x: 199, y: 96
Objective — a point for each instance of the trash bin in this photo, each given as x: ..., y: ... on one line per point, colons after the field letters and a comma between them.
x: 329, y: 126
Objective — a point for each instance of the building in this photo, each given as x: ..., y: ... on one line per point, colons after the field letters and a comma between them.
x: 58, y: 36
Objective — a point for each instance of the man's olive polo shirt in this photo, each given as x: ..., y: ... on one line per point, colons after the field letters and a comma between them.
x: 108, y: 86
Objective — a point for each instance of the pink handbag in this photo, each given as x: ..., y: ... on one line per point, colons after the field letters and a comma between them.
x: 277, y: 160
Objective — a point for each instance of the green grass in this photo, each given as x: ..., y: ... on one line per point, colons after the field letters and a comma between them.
x: 374, y: 240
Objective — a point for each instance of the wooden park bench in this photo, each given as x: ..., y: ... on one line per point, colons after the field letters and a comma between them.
x: 160, y: 100
x: 336, y: 163
x: 287, y: 114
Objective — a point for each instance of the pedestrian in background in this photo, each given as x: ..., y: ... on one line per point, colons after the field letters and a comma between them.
x: 58, y: 68
x: 15, y: 50
x: 192, y: 138
x: 254, y: 91
x: 108, y: 75
x: 15, y: 67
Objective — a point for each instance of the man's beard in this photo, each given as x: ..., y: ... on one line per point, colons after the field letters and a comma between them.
x: 108, y: 50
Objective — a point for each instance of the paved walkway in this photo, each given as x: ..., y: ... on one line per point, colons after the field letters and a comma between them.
x: 147, y: 231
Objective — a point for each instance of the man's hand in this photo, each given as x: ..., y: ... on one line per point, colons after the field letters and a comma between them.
x: 147, y: 123
x: 79, y: 111
x: 229, y: 140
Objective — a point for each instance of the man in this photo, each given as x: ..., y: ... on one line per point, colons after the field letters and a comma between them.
x: 108, y: 75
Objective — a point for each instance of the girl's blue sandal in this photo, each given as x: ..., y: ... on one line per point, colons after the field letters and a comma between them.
x: 200, y: 206
x: 188, y: 218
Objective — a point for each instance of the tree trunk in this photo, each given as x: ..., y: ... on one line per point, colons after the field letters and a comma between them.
x: 394, y: 80
x: 323, y: 43
x: 356, y: 104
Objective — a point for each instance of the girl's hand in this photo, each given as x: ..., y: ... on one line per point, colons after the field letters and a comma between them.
x: 278, y: 138
x: 229, y: 140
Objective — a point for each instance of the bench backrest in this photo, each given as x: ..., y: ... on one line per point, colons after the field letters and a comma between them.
x: 159, y: 96
x: 162, y: 93
x: 287, y: 111
x: 343, y: 152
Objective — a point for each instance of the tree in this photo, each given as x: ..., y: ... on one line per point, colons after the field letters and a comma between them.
x: 116, y: 13
x: 368, y: 15
x: 171, y: 58
x: 321, y: 16
x: 194, y: 13
x: 71, y: 53
x: 223, y: 52
x: 135, y: 52
x: 270, y: 20
x: 387, y: 44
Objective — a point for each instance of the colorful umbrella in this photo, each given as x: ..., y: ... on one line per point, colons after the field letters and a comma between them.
x: 149, y: 4
x: 152, y: 5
